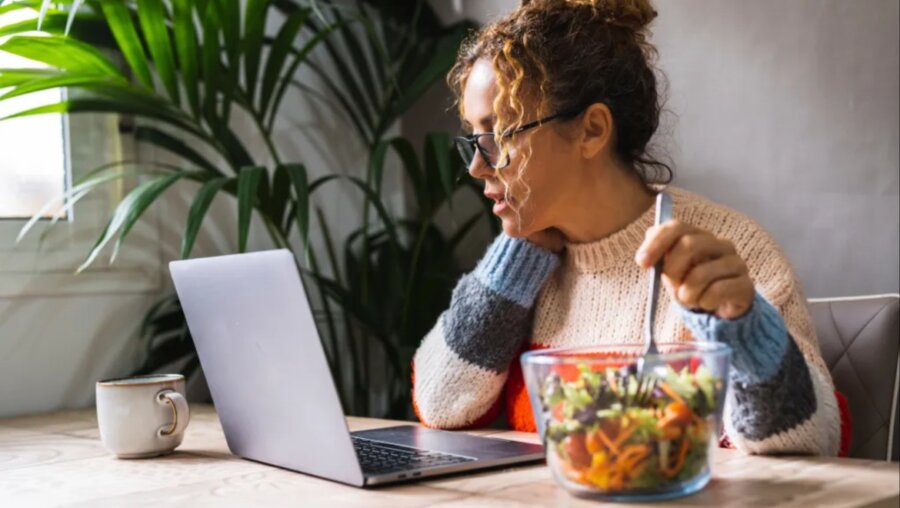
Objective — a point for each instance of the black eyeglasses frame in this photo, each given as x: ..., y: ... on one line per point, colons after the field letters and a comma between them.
x: 471, y: 141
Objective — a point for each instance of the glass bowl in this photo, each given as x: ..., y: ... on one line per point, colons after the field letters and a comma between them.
x: 619, y: 428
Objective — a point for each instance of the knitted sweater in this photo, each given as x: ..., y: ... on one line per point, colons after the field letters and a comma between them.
x: 520, y: 296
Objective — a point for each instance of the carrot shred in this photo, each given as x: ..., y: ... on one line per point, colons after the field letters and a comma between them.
x: 670, y: 392
x: 665, y: 421
x: 625, y: 434
x: 616, y: 481
x: 679, y: 462
x: 638, y: 468
x: 631, y: 456
x: 682, y: 454
x: 606, y: 441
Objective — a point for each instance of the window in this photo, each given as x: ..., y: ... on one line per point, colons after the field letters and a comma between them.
x: 33, y: 162
x: 39, y: 158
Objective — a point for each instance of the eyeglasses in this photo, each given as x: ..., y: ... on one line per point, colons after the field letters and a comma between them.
x: 485, y: 144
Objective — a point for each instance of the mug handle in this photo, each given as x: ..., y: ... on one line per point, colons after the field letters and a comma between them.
x: 181, y: 414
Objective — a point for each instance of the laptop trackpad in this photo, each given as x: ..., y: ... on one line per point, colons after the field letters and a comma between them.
x: 452, y: 442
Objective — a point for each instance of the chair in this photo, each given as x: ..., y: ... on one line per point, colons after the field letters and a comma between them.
x: 860, y: 341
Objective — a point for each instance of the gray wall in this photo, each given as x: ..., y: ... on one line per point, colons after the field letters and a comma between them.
x: 788, y: 111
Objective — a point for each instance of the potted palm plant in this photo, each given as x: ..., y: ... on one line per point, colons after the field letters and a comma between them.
x: 189, y: 67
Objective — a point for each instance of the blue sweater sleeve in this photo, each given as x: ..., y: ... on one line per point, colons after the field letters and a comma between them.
x: 516, y: 269
x: 759, y: 338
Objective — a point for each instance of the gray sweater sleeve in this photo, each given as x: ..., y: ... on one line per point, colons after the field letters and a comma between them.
x: 461, y: 366
x: 777, y: 403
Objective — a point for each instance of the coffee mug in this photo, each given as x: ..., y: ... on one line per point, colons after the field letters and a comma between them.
x: 142, y: 416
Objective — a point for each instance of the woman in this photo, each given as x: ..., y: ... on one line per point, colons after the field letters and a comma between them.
x: 562, y: 101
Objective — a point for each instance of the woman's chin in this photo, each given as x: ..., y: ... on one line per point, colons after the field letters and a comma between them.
x: 512, y: 229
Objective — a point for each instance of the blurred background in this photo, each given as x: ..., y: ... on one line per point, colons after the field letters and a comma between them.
x: 325, y: 127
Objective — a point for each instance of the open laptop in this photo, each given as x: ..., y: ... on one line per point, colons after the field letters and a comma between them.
x: 269, y: 378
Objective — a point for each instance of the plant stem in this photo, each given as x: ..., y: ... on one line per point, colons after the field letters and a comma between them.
x: 329, y: 250
x: 277, y: 236
x: 268, y: 140
x: 364, y: 276
x: 264, y: 133
x: 417, y: 250
x: 335, y: 363
x: 349, y: 327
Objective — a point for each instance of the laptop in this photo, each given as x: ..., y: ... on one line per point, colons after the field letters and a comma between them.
x: 259, y: 348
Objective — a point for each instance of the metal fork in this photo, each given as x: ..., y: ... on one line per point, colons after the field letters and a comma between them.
x: 663, y: 214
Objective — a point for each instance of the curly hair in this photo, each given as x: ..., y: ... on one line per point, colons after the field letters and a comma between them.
x: 561, y: 56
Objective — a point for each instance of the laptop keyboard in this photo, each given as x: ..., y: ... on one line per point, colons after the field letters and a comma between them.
x: 377, y: 457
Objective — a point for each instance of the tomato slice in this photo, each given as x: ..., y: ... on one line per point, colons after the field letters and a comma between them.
x: 577, y: 451
x: 558, y: 413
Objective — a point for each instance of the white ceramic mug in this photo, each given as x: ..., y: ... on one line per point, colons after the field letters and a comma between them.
x: 142, y: 416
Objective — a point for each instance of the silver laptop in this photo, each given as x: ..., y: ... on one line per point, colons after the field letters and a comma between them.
x: 268, y: 375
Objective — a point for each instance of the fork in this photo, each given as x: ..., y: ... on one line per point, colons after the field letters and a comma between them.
x: 663, y: 214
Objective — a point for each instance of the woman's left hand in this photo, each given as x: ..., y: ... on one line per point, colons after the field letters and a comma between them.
x: 701, y: 270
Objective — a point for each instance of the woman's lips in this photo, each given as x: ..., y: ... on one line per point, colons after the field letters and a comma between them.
x: 500, y: 203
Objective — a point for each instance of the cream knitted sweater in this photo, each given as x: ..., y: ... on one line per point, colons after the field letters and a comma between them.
x: 522, y: 297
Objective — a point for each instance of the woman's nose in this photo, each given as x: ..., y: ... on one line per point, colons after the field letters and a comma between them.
x: 479, y: 168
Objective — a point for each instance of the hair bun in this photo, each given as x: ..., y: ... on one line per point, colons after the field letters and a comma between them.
x: 633, y: 14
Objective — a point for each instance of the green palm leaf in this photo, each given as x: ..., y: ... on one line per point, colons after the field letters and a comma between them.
x: 280, y: 198
x: 361, y: 61
x: 15, y: 77
x: 374, y: 199
x: 90, y: 28
x: 229, y: 14
x: 69, y: 198
x: 254, y: 30
x: 410, y: 163
x: 376, y: 164
x: 44, y: 7
x: 234, y: 148
x: 76, y: 4
x: 175, y: 146
x: 380, y: 55
x: 212, y: 63
x: 55, y: 81
x: 278, y: 54
x: 119, y: 18
x: 438, y: 149
x: 104, y: 173
x: 300, y: 182
x: 104, y: 105
x: 61, y: 53
x: 152, y: 16
x: 351, y: 91
x: 127, y: 212
x: 152, y: 191
x: 248, y: 181
x: 437, y: 63
x: 14, y: 6
x: 299, y: 58
x: 186, y: 48
x: 201, y: 203
x: 53, y: 23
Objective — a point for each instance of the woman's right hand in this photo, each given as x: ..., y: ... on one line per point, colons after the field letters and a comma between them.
x: 551, y: 239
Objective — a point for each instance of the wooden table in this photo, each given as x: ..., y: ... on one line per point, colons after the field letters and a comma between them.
x: 57, y: 459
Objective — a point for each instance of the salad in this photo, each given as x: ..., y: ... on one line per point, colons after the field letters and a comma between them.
x: 614, y: 429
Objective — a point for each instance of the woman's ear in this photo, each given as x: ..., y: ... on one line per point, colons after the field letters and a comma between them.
x: 597, y: 129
